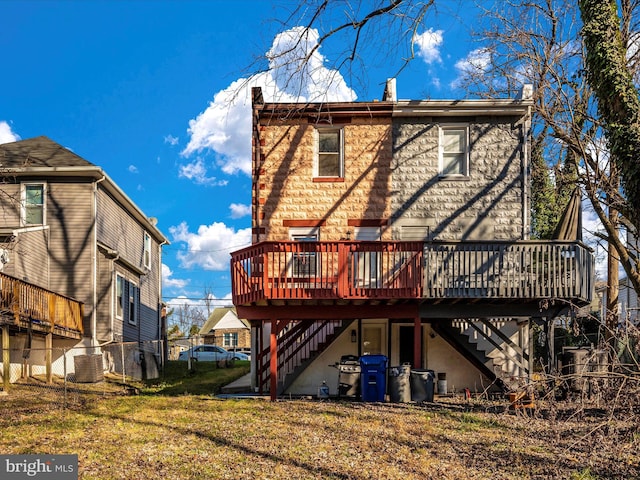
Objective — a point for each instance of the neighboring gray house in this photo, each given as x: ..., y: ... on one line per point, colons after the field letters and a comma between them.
x: 398, y: 228
x: 67, y: 227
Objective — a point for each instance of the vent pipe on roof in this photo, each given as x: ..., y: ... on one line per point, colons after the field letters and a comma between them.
x: 526, y: 93
x: 389, y: 94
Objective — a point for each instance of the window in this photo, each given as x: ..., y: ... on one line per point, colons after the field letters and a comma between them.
x: 147, y: 250
x: 304, y: 263
x: 230, y: 339
x: 329, y: 160
x: 454, y: 151
x: 134, y: 296
x: 368, y: 263
x: 33, y: 206
x: 127, y: 300
x: 119, y: 295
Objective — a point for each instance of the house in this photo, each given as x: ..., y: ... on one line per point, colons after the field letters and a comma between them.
x: 398, y: 228
x: 225, y: 329
x: 67, y: 231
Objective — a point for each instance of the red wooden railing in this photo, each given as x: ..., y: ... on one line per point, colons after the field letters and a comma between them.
x: 24, y: 302
x: 315, y: 270
x: 412, y: 270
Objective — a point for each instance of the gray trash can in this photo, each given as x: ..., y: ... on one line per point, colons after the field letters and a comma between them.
x: 422, y: 385
x: 399, y: 386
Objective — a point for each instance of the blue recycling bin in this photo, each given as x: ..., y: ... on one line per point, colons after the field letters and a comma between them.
x: 373, y: 377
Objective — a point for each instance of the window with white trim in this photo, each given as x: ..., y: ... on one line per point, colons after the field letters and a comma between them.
x: 119, y: 295
x: 454, y: 150
x: 304, y: 264
x: 147, y: 250
x: 329, y: 158
x: 134, y: 298
x: 33, y: 204
x: 230, y: 339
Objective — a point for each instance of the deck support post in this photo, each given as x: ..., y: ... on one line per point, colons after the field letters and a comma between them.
x: 417, y: 342
x: 48, y: 347
x: 273, y: 360
x: 6, y: 359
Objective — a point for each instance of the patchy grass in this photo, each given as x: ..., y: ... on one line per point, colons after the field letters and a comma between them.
x: 204, y: 378
x: 192, y: 436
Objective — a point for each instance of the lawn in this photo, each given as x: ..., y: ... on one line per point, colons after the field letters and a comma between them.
x: 163, y: 432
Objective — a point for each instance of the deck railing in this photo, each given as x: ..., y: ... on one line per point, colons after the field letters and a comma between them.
x: 22, y: 302
x: 412, y: 270
x: 316, y: 270
x: 524, y: 269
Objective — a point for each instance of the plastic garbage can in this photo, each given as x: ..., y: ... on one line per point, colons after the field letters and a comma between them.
x: 422, y: 385
x: 373, y: 377
x: 399, y: 386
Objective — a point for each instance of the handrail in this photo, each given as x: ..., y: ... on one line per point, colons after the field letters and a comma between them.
x: 295, y: 345
x: 526, y: 269
x: 29, y: 302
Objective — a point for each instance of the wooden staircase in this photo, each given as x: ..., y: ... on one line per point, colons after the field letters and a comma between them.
x: 299, y: 344
x: 489, y: 346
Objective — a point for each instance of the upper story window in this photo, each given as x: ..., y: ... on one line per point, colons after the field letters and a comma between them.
x: 329, y: 161
x: 33, y: 204
x: 147, y: 250
x: 454, y: 150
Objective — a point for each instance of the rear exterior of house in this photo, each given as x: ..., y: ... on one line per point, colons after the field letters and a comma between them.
x: 397, y: 228
x: 67, y: 228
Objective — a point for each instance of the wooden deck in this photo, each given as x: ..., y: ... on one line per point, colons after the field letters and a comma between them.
x: 429, y: 271
x: 28, y: 306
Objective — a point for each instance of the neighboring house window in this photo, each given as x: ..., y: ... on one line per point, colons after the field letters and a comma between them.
x: 33, y: 205
x: 127, y: 300
x: 230, y: 340
x: 454, y: 151
x: 134, y: 297
x: 147, y: 250
x: 329, y: 158
x: 303, y: 264
x: 119, y: 295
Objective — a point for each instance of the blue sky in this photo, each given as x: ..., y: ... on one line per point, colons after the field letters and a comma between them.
x: 142, y: 89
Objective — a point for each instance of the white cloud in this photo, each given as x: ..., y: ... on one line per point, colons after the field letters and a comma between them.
x: 197, y: 172
x: 171, y: 140
x: 6, y: 134
x: 169, y: 282
x: 429, y: 44
x: 209, y: 248
x: 133, y: 169
x: 224, y: 127
x: 475, y: 63
x: 238, y: 210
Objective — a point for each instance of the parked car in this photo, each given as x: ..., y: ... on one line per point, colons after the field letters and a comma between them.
x: 241, y: 356
x: 206, y: 353
x: 244, y: 353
